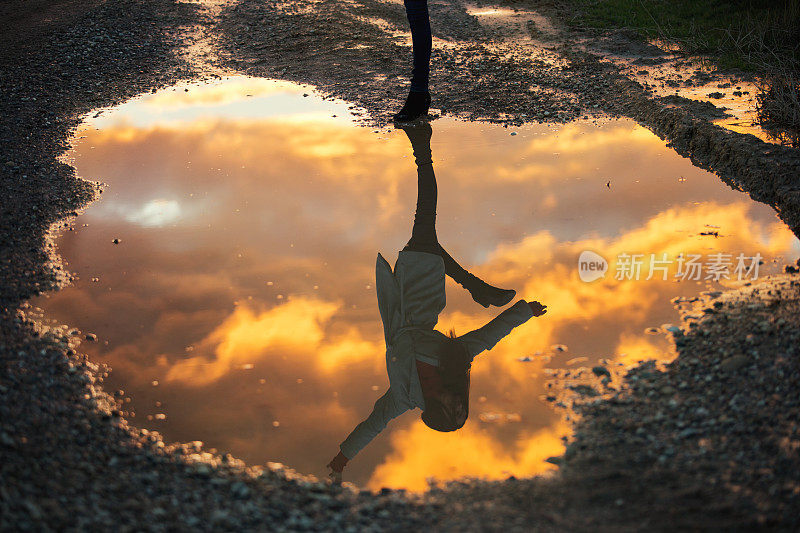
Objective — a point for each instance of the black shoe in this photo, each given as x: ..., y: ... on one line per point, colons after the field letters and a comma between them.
x: 416, y: 105
x: 419, y: 133
x: 486, y: 294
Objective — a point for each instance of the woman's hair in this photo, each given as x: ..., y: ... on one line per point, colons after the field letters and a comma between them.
x: 450, y: 412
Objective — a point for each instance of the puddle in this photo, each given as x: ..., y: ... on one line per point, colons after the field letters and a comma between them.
x: 674, y: 75
x: 238, y: 307
x: 734, y: 98
x: 526, y: 21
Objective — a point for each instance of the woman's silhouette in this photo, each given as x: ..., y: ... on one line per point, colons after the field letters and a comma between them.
x: 426, y: 368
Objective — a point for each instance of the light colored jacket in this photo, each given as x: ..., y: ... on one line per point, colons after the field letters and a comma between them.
x: 410, y: 299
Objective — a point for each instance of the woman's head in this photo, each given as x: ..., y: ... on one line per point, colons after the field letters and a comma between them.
x: 449, y: 410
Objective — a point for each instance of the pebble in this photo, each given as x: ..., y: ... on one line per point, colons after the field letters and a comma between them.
x: 734, y: 363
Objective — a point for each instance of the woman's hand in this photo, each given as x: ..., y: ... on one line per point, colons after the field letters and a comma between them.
x: 338, y: 463
x: 537, y: 308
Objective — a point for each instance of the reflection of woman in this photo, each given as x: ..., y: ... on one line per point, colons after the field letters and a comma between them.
x: 426, y: 368
x: 419, y: 98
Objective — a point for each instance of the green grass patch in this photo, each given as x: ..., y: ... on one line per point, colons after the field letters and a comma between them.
x: 737, y: 33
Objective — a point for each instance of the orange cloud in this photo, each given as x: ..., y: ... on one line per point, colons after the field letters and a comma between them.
x: 246, y: 335
x: 634, y: 348
x: 420, y: 454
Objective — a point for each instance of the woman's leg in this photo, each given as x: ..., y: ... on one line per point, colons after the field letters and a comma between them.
x: 419, y: 99
x: 481, y: 292
x: 423, y: 234
x: 421, y: 42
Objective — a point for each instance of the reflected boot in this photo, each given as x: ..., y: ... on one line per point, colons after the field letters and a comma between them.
x: 416, y: 105
x: 419, y: 134
x: 486, y: 294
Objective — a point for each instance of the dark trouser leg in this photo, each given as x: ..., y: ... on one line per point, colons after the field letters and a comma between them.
x: 454, y: 270
x: 421, y: 41
x: 423, y: 234
x: 481, y: 292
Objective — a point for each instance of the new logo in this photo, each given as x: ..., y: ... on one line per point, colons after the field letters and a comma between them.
x: 591, y: 266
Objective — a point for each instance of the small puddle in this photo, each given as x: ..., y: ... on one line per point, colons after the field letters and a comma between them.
x: 674, y: 75
x: 238, y: 307
x: 513, y: 17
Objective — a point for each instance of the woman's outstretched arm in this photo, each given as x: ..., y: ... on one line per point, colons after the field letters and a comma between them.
x: 486, y: 337
x: 386, y: 409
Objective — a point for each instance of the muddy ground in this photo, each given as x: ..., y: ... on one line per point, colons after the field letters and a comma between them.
x: 710, y: 441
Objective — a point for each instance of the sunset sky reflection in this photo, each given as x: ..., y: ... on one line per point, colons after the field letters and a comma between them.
x: 249, y: 219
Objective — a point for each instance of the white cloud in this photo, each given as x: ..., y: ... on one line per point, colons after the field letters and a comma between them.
x: 155, y: 213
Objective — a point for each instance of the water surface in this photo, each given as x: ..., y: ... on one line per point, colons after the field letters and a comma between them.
x: 238, y: 307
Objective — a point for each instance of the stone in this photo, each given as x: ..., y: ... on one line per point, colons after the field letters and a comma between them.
x: 240, y: 490
x: 585, y: 390
x: 219, y: 516
x: 734, y: 363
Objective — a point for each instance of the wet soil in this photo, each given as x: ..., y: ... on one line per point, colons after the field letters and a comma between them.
x: 710, y: 441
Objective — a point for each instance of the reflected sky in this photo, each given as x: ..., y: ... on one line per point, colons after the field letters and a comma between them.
x: 239, y: 306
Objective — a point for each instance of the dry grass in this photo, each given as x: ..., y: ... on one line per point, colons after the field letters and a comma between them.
x: 778, y: 106
x: 771, y: 47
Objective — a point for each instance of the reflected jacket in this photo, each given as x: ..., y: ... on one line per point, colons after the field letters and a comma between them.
x: 410, y: 299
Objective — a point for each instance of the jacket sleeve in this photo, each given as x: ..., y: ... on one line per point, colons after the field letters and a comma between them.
x: 386, y: 409
x: 486, y: 337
